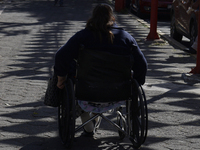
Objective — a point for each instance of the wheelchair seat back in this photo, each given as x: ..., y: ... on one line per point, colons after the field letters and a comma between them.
x: 102, y: 76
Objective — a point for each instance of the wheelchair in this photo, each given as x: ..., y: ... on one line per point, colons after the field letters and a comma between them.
x: 94, y: 84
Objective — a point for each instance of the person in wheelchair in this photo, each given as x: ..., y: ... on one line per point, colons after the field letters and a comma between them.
x: 101, y: 34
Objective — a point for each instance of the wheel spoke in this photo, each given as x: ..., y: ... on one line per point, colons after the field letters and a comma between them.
x: 138, y: 118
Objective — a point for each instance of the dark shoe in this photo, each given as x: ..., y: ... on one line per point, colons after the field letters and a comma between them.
x: 96, y: 126
x: 87, y: 134
x: 192, y: 50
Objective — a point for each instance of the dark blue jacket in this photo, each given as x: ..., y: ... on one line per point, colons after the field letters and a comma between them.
x: 122, y: 43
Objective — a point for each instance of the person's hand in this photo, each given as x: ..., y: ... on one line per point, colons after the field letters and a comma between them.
x: 190, y: 9
x: 61, y: 82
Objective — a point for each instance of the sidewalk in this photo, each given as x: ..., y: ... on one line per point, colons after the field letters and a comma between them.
x: 32, y: 31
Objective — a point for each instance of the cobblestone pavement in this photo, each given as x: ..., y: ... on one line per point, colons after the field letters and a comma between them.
x: 32, y: 31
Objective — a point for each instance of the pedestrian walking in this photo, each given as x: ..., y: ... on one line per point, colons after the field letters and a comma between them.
x: 195, y: 5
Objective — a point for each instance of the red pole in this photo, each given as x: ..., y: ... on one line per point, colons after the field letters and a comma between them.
x: 153, y: 22
x: 119, y: 5
x: 196, y: 70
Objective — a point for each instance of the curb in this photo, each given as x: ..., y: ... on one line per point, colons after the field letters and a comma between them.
x: 187, y: 77
x: 164, y: 36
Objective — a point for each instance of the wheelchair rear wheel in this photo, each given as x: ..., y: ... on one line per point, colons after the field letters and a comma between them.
x: 138, y: 117
x: 66, y: 114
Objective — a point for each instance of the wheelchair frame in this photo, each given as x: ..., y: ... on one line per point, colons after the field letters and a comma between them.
x: 133, y: 124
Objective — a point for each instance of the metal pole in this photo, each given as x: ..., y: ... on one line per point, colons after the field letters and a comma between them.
x: 153, y: 22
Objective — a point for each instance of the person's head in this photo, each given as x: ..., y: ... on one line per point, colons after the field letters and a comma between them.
x: 101, y: 21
